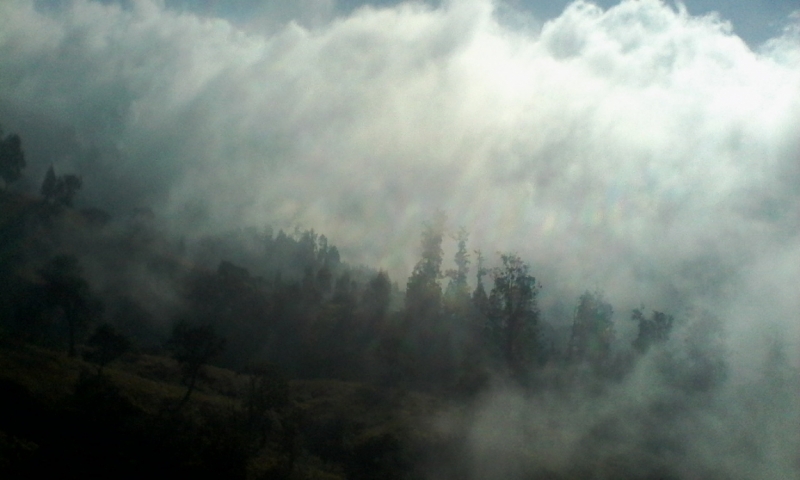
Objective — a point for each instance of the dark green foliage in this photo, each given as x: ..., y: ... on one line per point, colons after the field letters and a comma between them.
x: 12, y: 158
x: 592, y: 330
x: 457, y: 293
x: 426, y: 329
x: 324, y: 280
x: 68, y: 294
x: 60, y: 190
x: 106, y: 345
x: 306, y: 253
x: 479, y: 297
x: 653, y: 330
x: 423, y: 292
x: 236, y: 305
x: 514, y: 313
x: 340, y: 331
x: 193, y: 346
x: 375, y: 299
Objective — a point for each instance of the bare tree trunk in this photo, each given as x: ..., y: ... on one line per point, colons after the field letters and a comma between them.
x: 189, y: 389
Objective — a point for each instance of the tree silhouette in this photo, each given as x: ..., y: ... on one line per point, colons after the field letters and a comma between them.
x: 652, y: 330
x: 457, y: 297
x: 423, y: 292
x: 193, y: 347
x: 105, y: 346
x: 592, y: 329
x: 376, y: 298
x: 479, y: 297
x: 514, y: 313
x: 67, y: 290
x: 60, y: 190
x: 12, y: 158
x: 48, y: 189
x: 426, y: 332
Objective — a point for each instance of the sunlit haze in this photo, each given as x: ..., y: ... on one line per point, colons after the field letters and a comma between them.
x: 645, y: 149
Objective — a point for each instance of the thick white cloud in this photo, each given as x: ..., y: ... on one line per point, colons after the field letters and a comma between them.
x: 638, y: 149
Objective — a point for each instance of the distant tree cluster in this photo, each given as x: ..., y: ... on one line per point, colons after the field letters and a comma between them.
x: 592, y: 329
x: 12, y: 158
x: 653, y: 330
x: 298, y: 305
x: 60, y: 190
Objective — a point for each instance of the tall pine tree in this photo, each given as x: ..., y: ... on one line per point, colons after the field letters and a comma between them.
x: 514, y: 314
x: 423, y: 291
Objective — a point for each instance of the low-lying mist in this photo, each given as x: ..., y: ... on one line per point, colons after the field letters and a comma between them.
x: 678, y: 414
x: 639, y: 151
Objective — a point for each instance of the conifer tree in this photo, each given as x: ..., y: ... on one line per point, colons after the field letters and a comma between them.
x: 376, y: 298
x: 48, y: 189
x: 514, y: 313
x: 592, y: 329
x: 60, y: 190
x: 423, y: 292
x: 479, y: 297
x: 457, y: 293
x: 12, y: 158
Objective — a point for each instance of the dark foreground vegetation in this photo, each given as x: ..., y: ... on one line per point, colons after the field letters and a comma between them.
x: 128, y: 349
x: 127, y: 422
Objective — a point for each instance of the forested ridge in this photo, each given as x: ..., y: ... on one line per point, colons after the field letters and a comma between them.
x: 128, y: 348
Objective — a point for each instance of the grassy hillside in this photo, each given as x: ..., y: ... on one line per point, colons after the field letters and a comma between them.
x: 124, y: 423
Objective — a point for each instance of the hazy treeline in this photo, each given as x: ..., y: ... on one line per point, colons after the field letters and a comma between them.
x: 457, y: 328
x: 288, y: 298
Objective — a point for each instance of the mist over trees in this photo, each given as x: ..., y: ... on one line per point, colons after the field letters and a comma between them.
x: 285, y: 307
x: 60, y: 190
x: 12, y: 158
x: 592, y: 329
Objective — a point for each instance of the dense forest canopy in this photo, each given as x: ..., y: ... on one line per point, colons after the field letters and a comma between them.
x: 409, y: 240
